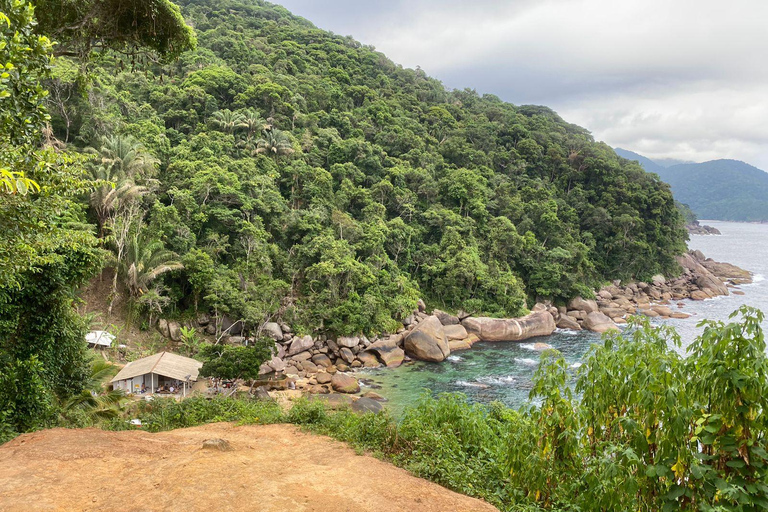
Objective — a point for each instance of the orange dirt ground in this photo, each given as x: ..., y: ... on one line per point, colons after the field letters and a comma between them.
x: 270, y: 468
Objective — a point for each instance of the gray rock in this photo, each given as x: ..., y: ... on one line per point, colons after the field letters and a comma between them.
x: 221, y: 445
x: 276, y: 364
x: 421, y: 306
x: 579, y: 304
x: 233, y: 328
x: 365, y: 405
x: 598, y: 322
x: 344, y: 383
x: 203, y: 320
x: 322, y: 360
x: 300, y: 344
x: 427, y: 342
x: 347, y: 355
x: 445, y: 318
x: 348, y: 341
x: 174, y: 331
x: 567, y: 322
x: 273, y: 330
x: 388, y: 353
x: 540, y: 323
x: 162, y: 327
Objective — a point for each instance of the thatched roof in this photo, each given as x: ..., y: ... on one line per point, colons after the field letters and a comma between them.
x: 165, y: 364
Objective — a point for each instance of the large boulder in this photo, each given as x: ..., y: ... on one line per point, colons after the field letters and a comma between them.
x: 445, y: 318
x: 272, y: 330
x: 539, y: 323
x: 388, y: 353
x: 598, y: 322
x: 276, y: 364
x: 348, y: 341
x: 427, y: 342
x: 322, y: 360
x: 368, y: 359
x: 580, y: 304
x: 347, y: 355
x: 300, y: 344
x: 365, y: 405
x: 455, y: 332
x: 232, y: 328
x: 344, y: 383
x: 174, y: 331
x: 703, y: 278
x: 162, y: 327
x: 568, y: 322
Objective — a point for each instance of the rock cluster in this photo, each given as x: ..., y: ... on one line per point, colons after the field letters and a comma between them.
x: 698, y: 229
x: 702, y: 278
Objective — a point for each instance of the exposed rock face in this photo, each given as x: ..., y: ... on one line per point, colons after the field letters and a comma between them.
x: 427, y: 342
x: 348, y: 341
x: 344, y: 383
x: 273, y: 330
x: 388, y: 353
x: 365, y: 405
x: 579, y: 304
x: 699, y: 229
x: 276, y: 364
x: 347, y: 355
x: 539, y: 323
x: 323, y: 378
x: 598, y: 322
x: 162, y: 327
x: 455, y: 331
x: 368, y: 359
x: 445, y: 318
x: 703, y: 278
x: 322, y: 360
x: 568, y: 322
x: 300, y: 344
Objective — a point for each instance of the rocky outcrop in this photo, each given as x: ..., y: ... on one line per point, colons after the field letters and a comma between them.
x: 344, y: 383
x: 540, y: 323
x: 427, y: 342
x: 388, y: 353
x: 598, y: 322
x: 699, y: 229
x: 273, y: 330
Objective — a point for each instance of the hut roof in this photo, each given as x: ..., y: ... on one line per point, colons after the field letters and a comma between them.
x: 100, y: 338
x: 165, y: 364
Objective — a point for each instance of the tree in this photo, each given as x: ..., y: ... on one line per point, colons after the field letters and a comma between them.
x: 146, y: 260
x: 235, y: 363
x: 227, y: 121
x: 275, y: 144
x: 134, y: 27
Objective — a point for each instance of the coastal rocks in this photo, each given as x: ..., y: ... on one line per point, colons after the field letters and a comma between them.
x: 699, y: 229
x: 463, y: 344
x: 300, y: 344
x: 388, y: 353
x: 455, y: 331
x: 540, y: 323
x: 579, y: 304
x: 343, y: 383
x: 272, y: 330
x: 445, y: 318
x: 567, y: 322
x: 348, y: 341
x: 427, y: 341
x: 368, y: 359
x: 598, y: 322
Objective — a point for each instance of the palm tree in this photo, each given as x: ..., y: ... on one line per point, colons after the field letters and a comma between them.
x: 275, y: 144
x: 144, y: 261
x: 93, y: 404
x: 119, y: 162
x: 226, y: 120
x: 252, y: 123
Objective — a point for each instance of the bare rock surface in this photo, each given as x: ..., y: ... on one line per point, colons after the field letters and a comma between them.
x: 540, y: 323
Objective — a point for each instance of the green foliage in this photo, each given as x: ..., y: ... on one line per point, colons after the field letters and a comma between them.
x: 302, y: 175
x: 232, y: 363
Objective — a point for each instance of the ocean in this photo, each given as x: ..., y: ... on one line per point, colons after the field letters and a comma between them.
x: 502, y: 371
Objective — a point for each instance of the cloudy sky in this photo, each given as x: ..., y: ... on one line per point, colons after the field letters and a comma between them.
x: 683, y: 79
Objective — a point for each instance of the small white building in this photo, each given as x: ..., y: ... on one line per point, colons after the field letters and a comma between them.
x: 99, y: 339
x: 157, y: 373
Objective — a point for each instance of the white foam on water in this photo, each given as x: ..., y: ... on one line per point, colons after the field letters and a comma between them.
x: 566, y: 332
x: 528, y: 346
x: 575, y: 365
x: 454, y: 359
x: 468, y: 384
x: 526, y: 361
x: 502, y: 380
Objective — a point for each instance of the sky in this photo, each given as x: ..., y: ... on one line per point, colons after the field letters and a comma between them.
x: 683, y: 79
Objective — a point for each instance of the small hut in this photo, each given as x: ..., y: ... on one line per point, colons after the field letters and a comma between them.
x: 160, y: 373
x: 99, y: 339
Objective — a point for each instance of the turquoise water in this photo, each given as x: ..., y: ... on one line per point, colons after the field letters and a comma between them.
x: 503, y: 371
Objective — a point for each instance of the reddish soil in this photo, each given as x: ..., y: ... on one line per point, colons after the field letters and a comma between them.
x: 270, y: 468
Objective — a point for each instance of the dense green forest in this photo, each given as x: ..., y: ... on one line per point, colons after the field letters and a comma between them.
x: 297, y: 173
x: 260, y: 168
x: 717, y: 190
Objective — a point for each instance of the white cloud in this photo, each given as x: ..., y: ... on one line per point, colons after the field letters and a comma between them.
x: 667, y: 78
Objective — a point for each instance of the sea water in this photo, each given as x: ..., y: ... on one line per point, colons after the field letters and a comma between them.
x: 502, y: 371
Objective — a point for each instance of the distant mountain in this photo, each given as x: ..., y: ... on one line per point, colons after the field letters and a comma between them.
x: 718, y: 189
x: 669, y: 162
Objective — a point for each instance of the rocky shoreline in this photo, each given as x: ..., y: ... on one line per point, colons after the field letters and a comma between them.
x: 698, y: 229
x: 323, y: 364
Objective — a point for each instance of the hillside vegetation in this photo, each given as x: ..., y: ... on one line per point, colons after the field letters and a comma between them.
x: 717, y: 190
x: 298, y: 173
